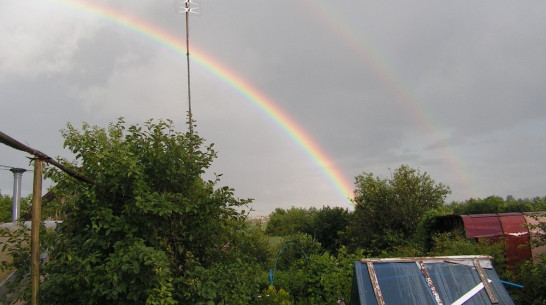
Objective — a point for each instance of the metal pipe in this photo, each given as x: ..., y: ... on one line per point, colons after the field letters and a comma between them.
x: 16, y: 207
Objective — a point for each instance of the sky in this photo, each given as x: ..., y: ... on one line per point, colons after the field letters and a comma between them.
x: 298, y: 97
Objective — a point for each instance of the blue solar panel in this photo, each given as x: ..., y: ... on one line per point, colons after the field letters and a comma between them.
x: 403, y: 283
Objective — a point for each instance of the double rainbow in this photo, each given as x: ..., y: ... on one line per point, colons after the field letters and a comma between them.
x: 343, y: 186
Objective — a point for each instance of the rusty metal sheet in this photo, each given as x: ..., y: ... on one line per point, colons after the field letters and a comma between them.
x: 518, y: 248
x: 485, y: 225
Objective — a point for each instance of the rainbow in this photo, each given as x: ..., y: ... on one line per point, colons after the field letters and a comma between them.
x: 334, y: 21
x: 256, y: 98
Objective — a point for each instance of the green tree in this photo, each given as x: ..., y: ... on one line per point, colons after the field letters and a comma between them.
x: 152, y: 231
x: 495, y: 204
x: 6, y: 204
x: 328, y: 225
x: 294, y: 220
x: 296, y: 246
x: 539, y: 203
x: 389, y: 210
x: 5, y: 208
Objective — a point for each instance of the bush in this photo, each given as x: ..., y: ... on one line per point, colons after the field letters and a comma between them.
x: 533, y: 278
x: 324, y: 279
x: 272, y: 296
x: 151, y: 230
x: 455, y: 243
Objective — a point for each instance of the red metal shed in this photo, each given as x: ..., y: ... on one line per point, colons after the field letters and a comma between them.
x: 512, y: 228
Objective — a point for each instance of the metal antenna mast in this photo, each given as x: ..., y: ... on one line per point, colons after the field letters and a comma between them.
x: 187, y: 8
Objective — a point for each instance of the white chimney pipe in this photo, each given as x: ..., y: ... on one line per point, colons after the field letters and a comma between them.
x: 17, y: 177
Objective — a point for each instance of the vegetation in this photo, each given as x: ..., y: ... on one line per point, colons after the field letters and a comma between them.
x: 153, y: 231
x: 6, y: 203
x: 495, y: 204
x: 531, y: 276
x: 388, y: 211
x: 325, y: 225
x: 5, y: 208
x: 285, y: 222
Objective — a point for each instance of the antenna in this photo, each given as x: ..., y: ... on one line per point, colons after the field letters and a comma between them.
x: 187, y: 7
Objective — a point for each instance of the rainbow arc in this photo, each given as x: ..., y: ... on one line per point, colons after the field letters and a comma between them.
x: 258, y: 99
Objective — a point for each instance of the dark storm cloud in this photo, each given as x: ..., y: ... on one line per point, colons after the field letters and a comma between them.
x: 453, y: 88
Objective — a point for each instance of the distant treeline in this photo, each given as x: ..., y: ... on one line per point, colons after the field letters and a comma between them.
x: 496, y: 204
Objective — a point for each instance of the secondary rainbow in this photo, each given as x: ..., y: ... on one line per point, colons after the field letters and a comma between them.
x: 259, y: 100
x: 334, y: 20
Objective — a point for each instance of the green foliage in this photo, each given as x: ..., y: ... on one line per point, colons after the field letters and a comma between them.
x: 539, y: 204
x: 294, y: 220
x: 296, y: 246
x: 538, y: 230
x: 16, y: 245
x: 5, y: 208
x: 532, y: 277
x: 233, y: 282
x: 495, y: 204
x: 388, y: 211
x: 455, y: 243
x: 152, y: 231
x: 323, y: 279
x: 327, y: 227
x: 427, y: 227
x: 251, y: 240
x: 272, y: 296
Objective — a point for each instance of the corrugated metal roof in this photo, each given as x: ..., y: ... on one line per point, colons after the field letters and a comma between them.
x: 428, y: 281
x: 512, y: 228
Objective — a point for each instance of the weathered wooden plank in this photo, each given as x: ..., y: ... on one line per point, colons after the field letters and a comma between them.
x: 486, y: 283
x: 430, y: 283
x: 375, y: 284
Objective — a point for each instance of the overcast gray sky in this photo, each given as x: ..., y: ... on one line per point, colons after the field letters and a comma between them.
x: 455, y: 88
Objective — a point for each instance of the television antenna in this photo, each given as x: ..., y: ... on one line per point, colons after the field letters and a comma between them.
x: 188, y: 7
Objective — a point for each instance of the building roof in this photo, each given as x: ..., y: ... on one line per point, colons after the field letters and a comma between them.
x: 471, y: 280
x: 512, y: 228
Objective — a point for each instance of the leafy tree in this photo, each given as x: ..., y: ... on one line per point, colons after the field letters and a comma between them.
x: 389, y: 210
x: 294, y: 220
x: 5, y: 208
x: 296, y: 246
x: 539, y: 203
x: 151, y: 231
x: 495, y: 204
x: 328, y: 225
x: 6, y: 205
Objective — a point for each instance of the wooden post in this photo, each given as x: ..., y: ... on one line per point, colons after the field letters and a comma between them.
x: 35, y: 233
